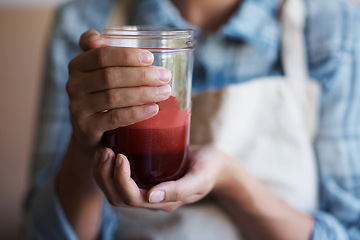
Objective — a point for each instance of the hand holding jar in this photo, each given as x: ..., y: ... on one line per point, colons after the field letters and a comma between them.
x: 157, y: 147
x: 110, y: 87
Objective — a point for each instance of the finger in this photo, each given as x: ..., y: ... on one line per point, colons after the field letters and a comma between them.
x: 116, y: 118
x: 90, y: 39
x: 188, y: 189
x: 104, y: 176
x: 97, y: 158
x: 103, y: 57
x: 198, y: 181
x: 120, y: 98
x: 95, y: 125
x: 126, y: 186
x: 115, y: 77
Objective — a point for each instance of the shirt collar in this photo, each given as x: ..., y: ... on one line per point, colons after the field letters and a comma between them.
x: 158, y: 13
x: 255, y: 22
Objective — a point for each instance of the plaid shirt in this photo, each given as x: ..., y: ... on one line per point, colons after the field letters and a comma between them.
x: 246, y: 47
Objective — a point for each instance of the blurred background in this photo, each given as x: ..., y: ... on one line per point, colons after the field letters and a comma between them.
x: 24, y: 27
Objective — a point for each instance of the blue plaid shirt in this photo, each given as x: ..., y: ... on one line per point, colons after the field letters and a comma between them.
x: 246, y: 47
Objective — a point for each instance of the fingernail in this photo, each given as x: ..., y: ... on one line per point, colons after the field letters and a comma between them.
x: 118, y: 161
x: 93, y: 37
x: 151, y: 109
x: 157, y: 197
x: 163, y: 90
x: 146, y: 57
x: 105, y: 155
x: 163, y: 75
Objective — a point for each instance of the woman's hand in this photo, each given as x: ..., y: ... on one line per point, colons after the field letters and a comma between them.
x: 113, y: 176
x: 110, y: 87
x: 255, y: 210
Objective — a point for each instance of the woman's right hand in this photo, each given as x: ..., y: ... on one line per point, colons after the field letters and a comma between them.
x: 111, y: 87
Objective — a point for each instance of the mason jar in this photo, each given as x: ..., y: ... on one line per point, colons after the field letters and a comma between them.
x: 157, y: 147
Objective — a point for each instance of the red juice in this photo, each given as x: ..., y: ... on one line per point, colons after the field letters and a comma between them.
x: 157, y: 147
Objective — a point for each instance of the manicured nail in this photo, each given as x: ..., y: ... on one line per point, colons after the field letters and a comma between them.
x: 157, y: 197
x: 164, y: 75
x: 105, y: 155
x: 118, y: 161
x: 151, y: 109
x: 146, y: 57
x: 163, y: 90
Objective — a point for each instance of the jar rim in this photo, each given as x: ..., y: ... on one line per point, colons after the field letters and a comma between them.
x: 147, y: 32
x: 153, y: 38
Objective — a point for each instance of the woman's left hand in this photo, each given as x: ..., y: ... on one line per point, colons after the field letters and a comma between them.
x: 206, y: 171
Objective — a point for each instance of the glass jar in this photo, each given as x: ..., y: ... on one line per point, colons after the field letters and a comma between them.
x: 157, y: 147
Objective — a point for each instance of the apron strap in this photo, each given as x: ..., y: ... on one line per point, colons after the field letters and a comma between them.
x: 293, y: 51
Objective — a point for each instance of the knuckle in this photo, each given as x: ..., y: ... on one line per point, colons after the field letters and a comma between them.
x: 108, y: 77
x: 146, y: 93
x: 133, y: 115
x: 100, y: 176
x: 73, y: 108
x: 100, y: 56
x: 111, y: 98
x: 88, y: 133
x: 69, y: 87
x: 113, y: 202
x: 149, y: 75
x: 92, y: 137
x: 91, y: 133
x: 126, y: 55
x: 143, y: 74
x: 71, y: 65
x: 178, y: 196
x: 84, y: 129
x: 123, y: 117
x: 129, y: 202
x: 115, y: 117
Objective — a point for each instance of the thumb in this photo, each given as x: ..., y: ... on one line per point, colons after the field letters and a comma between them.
x: 186, y: 190
x: 91, y: 39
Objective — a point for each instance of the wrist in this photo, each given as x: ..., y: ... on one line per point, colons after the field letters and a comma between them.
x: 77, y: 167
x: 79, y: 195
x: 236, y: 185
x: 228, y: 177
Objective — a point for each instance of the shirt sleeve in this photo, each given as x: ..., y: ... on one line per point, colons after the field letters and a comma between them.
x: 45, y: 218
x: 334, y: 58
x: 339, y: 218
x: 328, y: 227
x: 43, y: 215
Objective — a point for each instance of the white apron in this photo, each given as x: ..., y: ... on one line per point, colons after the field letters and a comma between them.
x: 267, y: 124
